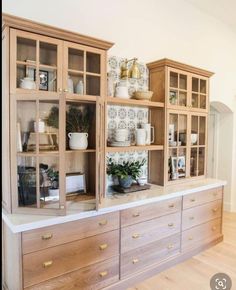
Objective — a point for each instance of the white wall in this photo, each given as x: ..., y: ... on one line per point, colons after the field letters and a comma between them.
x: 150, y: 30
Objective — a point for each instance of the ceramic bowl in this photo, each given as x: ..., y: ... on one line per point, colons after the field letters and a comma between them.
x: 143, y: 95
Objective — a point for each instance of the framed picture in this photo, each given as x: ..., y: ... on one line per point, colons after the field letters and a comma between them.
x: 181, y: 166
x: 173, y: 164
x: 43, y: 79
x: 75, y: 183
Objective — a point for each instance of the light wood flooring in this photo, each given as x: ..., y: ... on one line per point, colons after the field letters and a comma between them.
x: 195, y: 273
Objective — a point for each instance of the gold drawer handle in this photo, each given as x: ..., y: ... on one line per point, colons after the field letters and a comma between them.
x: 215, y: 193
x: 135, y: 261
x: 170, y: 225
x: 137, y: 214
x: 47, y: 264
x: 103, y: 247
x: 171, y: 205
x: 135, y: 236
x: 192, y: 199
x: 103, y: 274
x: 215, y: 209
x: 170, y: 246
x: 213, y: 228
x: 191, y: 218
x: 47, y: 237
x: 190, y: 238
x: 103, y: 223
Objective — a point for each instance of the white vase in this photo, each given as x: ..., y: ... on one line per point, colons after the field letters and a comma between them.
x: 70, y: 85
x: 80, y: 88
x: 78, y: 140
x: 53, y: 192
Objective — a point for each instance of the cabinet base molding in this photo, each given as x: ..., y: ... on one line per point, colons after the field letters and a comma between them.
x: 157, y: 268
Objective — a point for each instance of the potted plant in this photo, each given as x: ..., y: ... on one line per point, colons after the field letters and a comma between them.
x: 53, y: 176
x: 77, y: 124
x: 126, y: 172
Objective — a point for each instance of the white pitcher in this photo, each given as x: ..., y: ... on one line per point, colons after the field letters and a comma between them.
x: 78, y: 140
x: 141, y: 137
x: 149, y: 131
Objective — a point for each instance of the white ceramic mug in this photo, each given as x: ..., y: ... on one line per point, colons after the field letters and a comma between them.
x: 122, y: 92
x: 121, y: 135
x: 41, y: 127
x: 149, y: 131
x: 141, y: 137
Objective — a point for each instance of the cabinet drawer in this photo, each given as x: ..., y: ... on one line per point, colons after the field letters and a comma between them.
x: 93, y: 277
x: 196, y: 236
x: 59, y: 234
x: 201, y: 214
x: 146, y: 212
x: 45, y: 264
x: 202, y: 197
x: 147, y: 232
x: 156, y: 252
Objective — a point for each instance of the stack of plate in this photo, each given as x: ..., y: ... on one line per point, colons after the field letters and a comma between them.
x: 119, y: 143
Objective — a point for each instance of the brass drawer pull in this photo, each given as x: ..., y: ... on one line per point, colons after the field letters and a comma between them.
x: 171, y: 205
x: 103, y: 223
x: 135, y: 236
x: 46, y: 237
x: 47, y: 264
x: 170, y: 246
x: 135, y: 261
x: 170, y: 225
x: 191, y: 218
x: 215, y: 193
x: 215, y: 209
x: 137, y: 214
x: 103, y: 274
x: 103, y: 247
x: 213, y: 228
x: 190, y: 238
x: 192, y: 199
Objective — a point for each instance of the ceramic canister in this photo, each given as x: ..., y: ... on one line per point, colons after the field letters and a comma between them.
x: 141, y: 137
x: 149, y: 129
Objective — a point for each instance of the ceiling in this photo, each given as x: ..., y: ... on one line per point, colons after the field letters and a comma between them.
x: 224, y: 10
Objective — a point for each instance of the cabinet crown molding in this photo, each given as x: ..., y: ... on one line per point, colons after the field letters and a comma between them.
x: 178, y: 65
x: 36, y: 27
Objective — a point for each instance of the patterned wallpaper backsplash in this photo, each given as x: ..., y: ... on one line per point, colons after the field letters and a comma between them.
x: 127, y: 116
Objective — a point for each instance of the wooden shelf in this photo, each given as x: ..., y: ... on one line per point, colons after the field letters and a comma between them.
x: 47, y: 67
x: 34, y: 154
x: 135, y: 148
x: 81, y: 151
x: 133, y: 102
x: 81, y: 98
x: 75, y: 72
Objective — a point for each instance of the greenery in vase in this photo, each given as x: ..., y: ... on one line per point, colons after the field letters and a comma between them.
x: 77, y: 118
x: 53, y: 176
x: 128, y: 168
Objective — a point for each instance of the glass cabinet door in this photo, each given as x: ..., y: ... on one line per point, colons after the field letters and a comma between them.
x: 199, y: 93
x: 198, y: 145
x: 177, y: 145
x: 36, y: 63
x: 83, y: 70
x: 178, y: 86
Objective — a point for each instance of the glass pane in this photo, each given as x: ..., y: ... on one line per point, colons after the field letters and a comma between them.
x: 26, y: 116
x: 80, y: 179
x: 182, y: 98
x: 173, y: 97
x: 93, y: 85
x: 182, y: 130
x: 194, y: 130
x: 201, y: 161
x: 202, y: 101
x: 203, y: 86
x: 195, y: 100
x: 48, y: 54
x: 47, y: 79
x: 195, y: 85
x: 183, y: 82
x: 202, y: 131
x: 76, y: 83
x: 49, y: 182
x: 173, y: 128
x: 193, y: 162
x: 26, y: 171
x: 25, y: 77
x: 181, y: 163
x: 93, y: 62
x: 172, y: 172
x: 26, y: 49
x: 80, y: 126
x: 48, y: 126
x: 173, y: 80
x: 75, y: 59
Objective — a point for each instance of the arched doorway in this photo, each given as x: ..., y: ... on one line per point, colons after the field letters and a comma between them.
x: 220, y: 147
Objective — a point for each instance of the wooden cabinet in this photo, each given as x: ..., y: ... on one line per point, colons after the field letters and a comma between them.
x: 185, y: 92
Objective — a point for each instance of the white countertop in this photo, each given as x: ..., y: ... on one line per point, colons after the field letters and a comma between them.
x: 23, y: 222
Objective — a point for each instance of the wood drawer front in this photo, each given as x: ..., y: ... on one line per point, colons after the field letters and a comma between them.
x: 202, y: 197
x: 142, y: 257
x: 59, y: 234
x: 201, y: 214
x: 196, y: 236
x: 146, y: 212
x: 147, y: 232
x: 93, y: 277
x: 49, y: 263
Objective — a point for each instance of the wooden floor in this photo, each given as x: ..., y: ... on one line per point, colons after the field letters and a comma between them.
x: 195, y: 274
